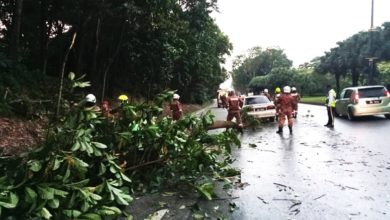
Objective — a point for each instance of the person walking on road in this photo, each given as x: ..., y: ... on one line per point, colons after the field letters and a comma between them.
x: 330, y: 105
x: 286, y: 105
x: 297, y: 98
x: 234, y: 108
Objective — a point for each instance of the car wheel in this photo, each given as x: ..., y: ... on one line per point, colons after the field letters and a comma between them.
x: 272, y: 119
x: 387, y: 116
x: 350, y: 115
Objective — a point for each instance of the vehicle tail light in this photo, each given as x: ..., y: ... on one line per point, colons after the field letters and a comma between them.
x: 270, y: 107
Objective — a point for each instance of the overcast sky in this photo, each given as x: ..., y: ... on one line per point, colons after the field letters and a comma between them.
x: 304, y: 29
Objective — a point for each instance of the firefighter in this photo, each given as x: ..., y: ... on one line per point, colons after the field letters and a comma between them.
x: 90, y: 103
x: 297, y: 98
x: 123, y: 100
x: 106, y: 108
x: 266, y: 93
x: 275, y: 99
x: 223, y: 99
x: 286, y: 105
x: 176, y: 108
x: 234, y: 108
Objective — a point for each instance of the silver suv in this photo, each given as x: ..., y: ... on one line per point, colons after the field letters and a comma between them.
x: 362, y: 101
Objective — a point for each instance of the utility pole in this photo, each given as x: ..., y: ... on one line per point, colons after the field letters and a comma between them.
x: 371, y: 59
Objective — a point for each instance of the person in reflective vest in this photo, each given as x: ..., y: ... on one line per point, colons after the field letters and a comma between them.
x: 234, y: 108
x: 275, y: 99
x: 176, y: 108
x: 330, y: 105
x: 286, y: 105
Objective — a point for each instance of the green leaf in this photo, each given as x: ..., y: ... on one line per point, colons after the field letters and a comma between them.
x: 78, y: 184
x: 44, y: 213
x: 99, y: 145
x: 91, y: 216
x: 45, y: 192
x: 57, y: 164
x: 54, y: 203
x: 71, y: 76
x: 9, y: 201
x: 206, y: 190
x: 71, y: 213
x: 102, y: 169
x: 109, y: 210
x: 31, y: 195
x: 34, y: 165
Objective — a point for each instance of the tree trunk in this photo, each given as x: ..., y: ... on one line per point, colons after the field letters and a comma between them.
x: 111, y: 61
x: 337, y: 76
x: 355, y: 77
x: 17, y: 21
x: 222, y: 124
x: 63, y: 73
x: 94, y: 69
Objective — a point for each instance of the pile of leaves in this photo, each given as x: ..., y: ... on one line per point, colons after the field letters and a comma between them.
x: 18, y: 135
x: 90, y: 166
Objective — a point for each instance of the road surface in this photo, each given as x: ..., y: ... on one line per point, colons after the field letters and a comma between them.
x: 315, y: 173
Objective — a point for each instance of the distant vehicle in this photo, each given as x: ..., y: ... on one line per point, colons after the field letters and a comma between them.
x: 363, y: 101
x: 259, y: 106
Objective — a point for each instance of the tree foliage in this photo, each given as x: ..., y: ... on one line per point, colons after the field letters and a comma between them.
x: 90, y: 166
x: 356, y: 56
x: 257, y: 63
x: 138, y: 47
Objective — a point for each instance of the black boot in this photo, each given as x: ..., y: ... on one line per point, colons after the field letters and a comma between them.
x: 290, y: 128
x: 280, y: 130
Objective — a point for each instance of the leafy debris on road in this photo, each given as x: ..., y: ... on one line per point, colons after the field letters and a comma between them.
x: 261, y: 199
x: 319, y: 197
x: 283, y: 187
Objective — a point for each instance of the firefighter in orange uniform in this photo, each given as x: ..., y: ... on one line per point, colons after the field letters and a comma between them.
x: 234, y: 103
x: 176, y: 108
x: 297, y: 98
x: 286, y: 105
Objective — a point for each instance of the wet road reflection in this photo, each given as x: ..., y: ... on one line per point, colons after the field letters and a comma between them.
x: 316, y: 173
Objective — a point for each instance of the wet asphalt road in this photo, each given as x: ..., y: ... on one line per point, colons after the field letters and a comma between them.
x: 315, y: 173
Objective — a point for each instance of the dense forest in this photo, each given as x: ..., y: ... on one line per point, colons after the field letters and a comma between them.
x: 87, y: 163
x: 135, y: 47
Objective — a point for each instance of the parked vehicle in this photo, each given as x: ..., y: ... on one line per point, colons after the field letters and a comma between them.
x: 363, y: 101
x: 259, y: 106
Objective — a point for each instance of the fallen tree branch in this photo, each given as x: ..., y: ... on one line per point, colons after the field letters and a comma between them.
x: 163, y: 159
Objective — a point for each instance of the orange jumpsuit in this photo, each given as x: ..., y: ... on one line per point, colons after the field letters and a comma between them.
x: 286, y: 104
x: 176, y: 109
x: 234, y: 103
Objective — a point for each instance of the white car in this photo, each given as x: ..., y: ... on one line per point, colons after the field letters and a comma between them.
x: 259, y: 106
x: 363, y: 101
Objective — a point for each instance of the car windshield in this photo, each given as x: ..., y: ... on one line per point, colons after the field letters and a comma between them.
x: 372, y: 92
x: 256, y: 100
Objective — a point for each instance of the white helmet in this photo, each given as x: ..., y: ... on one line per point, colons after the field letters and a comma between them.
x: 287, y: 89
x: 176, y: 96
x: 293, y: 89
x: 90, y: 98
x: 266, y: 90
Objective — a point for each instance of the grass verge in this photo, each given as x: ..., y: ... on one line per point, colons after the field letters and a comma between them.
x: 315, y: 100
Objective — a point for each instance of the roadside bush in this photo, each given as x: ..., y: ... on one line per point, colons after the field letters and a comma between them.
x: 90, y: 165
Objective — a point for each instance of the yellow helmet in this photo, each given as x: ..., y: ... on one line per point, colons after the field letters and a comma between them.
x: 277, y: 90
x: 123, y: 98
